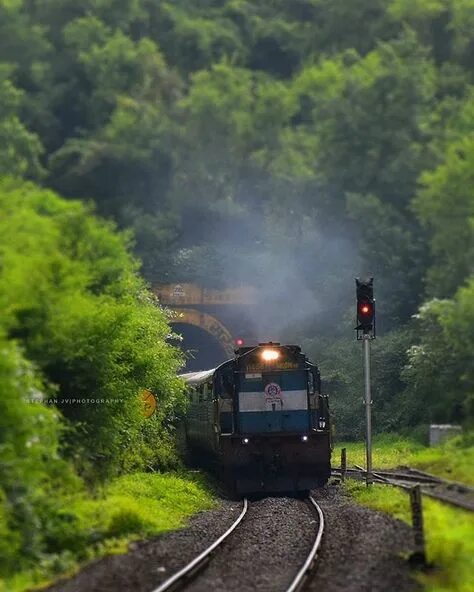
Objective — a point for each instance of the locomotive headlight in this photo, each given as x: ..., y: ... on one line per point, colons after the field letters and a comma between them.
x: 245, y: 441
x: 269, y: 355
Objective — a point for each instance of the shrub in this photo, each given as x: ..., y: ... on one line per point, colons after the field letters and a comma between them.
x: 72, y: 297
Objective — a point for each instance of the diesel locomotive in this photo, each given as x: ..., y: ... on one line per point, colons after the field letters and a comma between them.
x: 261, y: 420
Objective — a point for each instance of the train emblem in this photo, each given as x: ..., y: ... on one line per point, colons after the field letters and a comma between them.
x: 272, y: 391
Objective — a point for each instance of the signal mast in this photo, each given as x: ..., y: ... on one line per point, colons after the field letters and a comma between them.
x: 366, y: 332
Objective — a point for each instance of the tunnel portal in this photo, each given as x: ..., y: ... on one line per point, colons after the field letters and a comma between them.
x: 210, y: 321
x: 203, y: 351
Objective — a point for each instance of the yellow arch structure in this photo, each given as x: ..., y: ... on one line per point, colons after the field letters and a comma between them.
x: 209, y: 324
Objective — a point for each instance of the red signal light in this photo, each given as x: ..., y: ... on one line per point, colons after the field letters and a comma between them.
x: 239, y: 341
x: 365, y: 307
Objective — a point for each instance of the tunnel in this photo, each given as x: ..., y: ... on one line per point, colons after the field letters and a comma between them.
x: 202, y: 350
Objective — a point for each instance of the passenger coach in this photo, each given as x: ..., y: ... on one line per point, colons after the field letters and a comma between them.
x: 261, y: 419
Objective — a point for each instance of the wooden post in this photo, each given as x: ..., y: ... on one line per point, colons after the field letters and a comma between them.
x: 419, y: 555
x: 343, y: 464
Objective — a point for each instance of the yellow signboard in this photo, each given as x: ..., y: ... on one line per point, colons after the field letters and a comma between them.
x: 149, y: 402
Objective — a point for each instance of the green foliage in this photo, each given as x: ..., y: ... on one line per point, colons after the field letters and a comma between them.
x: 80, y: 337
x: 446, y: 205
x: 342, y: 371
x: 178, y: 117
x: 71, y: 295
x: 195, y: 41
x: 391, y: 500
x: 311, y: 140
x: 78, y: 528
x: 439, y: 369
x: 451, y: 460
x: 377, y: 148
x: 20, y: 149
x: 397, y: 254
x: 31, y: 471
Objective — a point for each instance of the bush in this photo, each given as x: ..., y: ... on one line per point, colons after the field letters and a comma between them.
x: 439, y: 371
x: 77, y: 323
x: 31, y: 470
x: 72, y: 297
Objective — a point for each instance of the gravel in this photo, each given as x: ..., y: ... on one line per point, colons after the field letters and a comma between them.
x: 362, y: 551
x: 265, y: 552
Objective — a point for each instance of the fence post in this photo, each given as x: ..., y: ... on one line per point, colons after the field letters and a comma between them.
x: 343, y: 464
x: 419, y: 554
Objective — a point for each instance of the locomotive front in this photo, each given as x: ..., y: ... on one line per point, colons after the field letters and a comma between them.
x: 280, y: 437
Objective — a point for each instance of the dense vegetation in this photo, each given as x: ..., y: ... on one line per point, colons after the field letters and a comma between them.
x: 80, y: 337
x: 278, y: 144
x: 288, y: 144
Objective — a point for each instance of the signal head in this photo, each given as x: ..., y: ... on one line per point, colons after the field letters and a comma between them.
x: 365, y: 305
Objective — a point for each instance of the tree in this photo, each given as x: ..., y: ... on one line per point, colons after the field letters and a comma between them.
x: 439, y: 372
x: 71, y: 296
x: 445, y: 205
x: 368, y: 114
x: 20, y: 149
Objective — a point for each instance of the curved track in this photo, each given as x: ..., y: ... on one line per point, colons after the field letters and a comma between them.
x: 299, y: 580
x: 182, y: 578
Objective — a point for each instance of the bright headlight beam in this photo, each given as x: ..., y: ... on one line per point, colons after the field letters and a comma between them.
x: 270, y: 354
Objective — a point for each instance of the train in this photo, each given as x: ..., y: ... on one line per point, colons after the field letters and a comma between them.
x: 261, y: 420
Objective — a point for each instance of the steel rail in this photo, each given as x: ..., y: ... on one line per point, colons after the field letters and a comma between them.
x: 198, y: 561
x: 411, y: 474
x: 461, y: 487
x: 394, y: 475
x: 437, y: 495
x: 300, y: 576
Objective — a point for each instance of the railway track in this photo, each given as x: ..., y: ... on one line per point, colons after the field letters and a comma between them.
x: 302, y: 574
x: 182, y: 578
x: 450, y: 492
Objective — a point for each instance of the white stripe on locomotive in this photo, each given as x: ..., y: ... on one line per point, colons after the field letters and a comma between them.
x: 290, y: 401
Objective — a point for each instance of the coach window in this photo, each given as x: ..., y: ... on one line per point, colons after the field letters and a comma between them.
x: 227, y: 389
x: 310, y: 382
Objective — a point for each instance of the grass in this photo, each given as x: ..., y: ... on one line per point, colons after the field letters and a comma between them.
x: 453, y: 460
x: 449, y: 534
x: 131, y: 507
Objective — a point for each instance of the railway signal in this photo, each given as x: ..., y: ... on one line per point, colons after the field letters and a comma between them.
x: 365, y: 308
x: 366, y: 332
